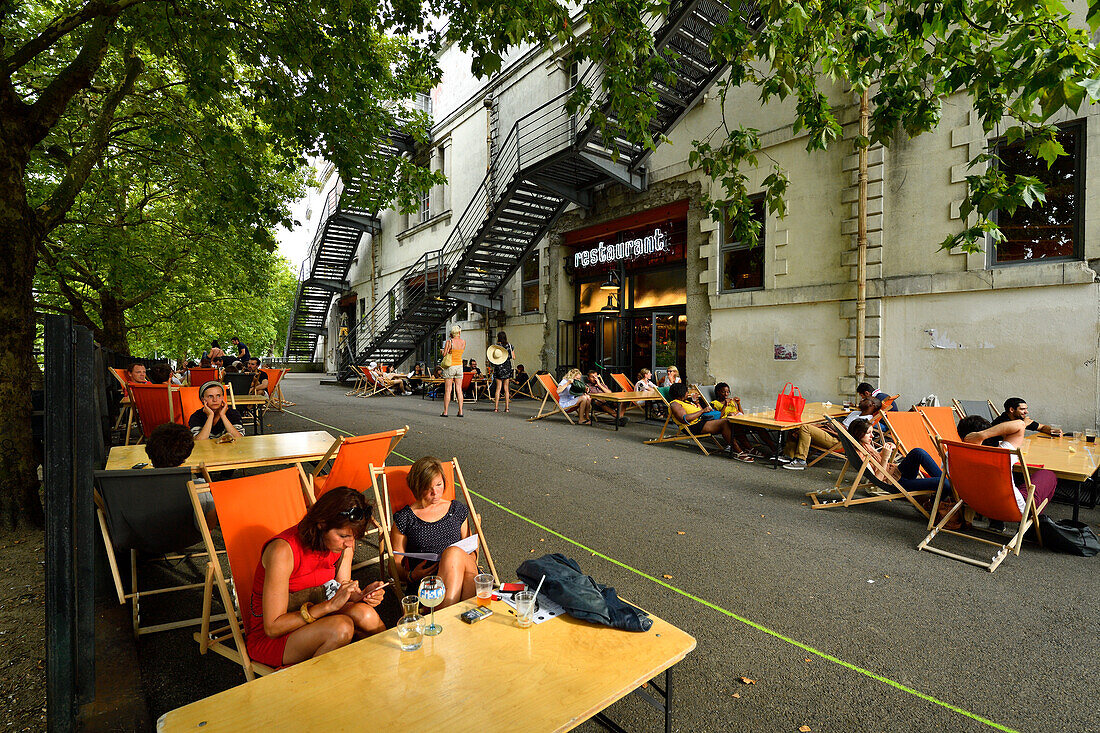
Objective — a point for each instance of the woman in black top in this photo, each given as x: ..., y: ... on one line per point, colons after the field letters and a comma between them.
x: 433, y: 524
x: 502, y: 373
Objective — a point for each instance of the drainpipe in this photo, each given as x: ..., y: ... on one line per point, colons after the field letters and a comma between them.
x: 861, y: 237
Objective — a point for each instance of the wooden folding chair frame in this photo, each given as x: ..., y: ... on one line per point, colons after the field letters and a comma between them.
x: 135, y: 595
x: 385, y: 512
x: 526, y: 390
x: 216, y: 640
x: 360, y: 382
x: 549, y: 393
x: 870, y: 462
x: 1028, y: 518
x: 374, y: 385
x: 681, y: 434
x: 275, y: 399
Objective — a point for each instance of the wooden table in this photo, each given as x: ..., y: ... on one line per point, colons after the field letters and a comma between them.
x: 1054, y: 454
x: 813, y: 412
x: 249, y: 451
x: 622, y: 398
x: 428, y: 383
x: 489, y: 676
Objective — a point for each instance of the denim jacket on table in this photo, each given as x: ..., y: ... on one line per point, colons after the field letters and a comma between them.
x: 580, y: 595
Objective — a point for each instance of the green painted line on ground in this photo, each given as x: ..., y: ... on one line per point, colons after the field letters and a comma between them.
x: 724, y: 611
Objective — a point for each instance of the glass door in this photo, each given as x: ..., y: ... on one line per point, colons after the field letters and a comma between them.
x: 669, y: 342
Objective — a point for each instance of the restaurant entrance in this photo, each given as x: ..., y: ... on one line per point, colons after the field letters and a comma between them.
x: 631, y: 294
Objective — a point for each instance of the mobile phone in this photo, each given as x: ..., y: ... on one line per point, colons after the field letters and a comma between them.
x: 139, y: 465
x: 512, y: 587
x: 476, y: 614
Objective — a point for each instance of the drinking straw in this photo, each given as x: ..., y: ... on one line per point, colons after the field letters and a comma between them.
x: 536, y: 596
x: 1091, y: 457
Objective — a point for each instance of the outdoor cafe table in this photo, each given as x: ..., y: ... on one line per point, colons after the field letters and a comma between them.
x: 247, y: 452
x: 624, y: 398
x: 1054, y: 454
x: 813, y: 412
x: 488, y: 676
x: 260, y: 401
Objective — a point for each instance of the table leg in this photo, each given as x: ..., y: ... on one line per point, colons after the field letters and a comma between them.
x: 1076, y: 499
x: 778, y: 447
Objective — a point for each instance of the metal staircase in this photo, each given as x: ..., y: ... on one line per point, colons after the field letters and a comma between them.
x: 551, y: 158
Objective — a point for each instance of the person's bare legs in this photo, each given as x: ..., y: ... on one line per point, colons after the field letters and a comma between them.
x: 496, y: 400
x: 447, y: 395
x: 457, y: 570
x: 720, y: 427
x: 458, y: 393
x: 323, y: 635
x: 365, y: 618
x: 507, y: 394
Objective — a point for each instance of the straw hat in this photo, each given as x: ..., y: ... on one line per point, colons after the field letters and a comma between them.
x: 496, y: 354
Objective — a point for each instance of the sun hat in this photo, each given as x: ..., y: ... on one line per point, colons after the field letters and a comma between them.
x: 496, y: 354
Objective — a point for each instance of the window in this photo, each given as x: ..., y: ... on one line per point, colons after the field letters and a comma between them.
x: 529, y: 288
x: 574, y: 73
x: 742, y: 267
x: 1052, y: 231
x: 362, y: 308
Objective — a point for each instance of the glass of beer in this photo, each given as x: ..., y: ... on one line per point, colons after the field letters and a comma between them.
x: 484, y: 585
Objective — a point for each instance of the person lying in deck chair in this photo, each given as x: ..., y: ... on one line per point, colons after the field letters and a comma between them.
x: 696, y: 416
x: 907, y: 470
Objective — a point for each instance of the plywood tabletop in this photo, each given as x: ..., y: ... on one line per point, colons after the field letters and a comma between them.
x: 813, y: 412
x: 251, y: 450
x: 1055, y: 454
x: 486, y: 677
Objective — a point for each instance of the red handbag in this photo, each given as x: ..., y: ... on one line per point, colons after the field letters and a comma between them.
x: 789, y: 405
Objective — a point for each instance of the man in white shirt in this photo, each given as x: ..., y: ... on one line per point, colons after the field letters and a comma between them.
x: 824, y: 438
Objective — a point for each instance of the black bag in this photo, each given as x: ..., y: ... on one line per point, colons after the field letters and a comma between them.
x: 1068, y: 536
x: 577, y: 387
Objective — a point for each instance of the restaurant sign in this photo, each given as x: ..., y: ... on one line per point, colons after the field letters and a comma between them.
x: 654, y: 243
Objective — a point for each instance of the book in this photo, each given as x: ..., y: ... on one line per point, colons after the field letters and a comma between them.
x: 467, y: 545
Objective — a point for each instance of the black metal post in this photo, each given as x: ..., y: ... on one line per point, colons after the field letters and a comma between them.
x: 85, y: 431
x: 58, y: 474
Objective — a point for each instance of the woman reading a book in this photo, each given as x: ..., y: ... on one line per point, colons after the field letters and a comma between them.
x: 432, y: 524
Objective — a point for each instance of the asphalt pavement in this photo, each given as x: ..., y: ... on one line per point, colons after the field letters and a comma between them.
x: 829, y: 619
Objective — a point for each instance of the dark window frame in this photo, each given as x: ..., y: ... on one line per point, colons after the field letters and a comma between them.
x: 725, y: 246
x: 524, y: 284
x: 1078, y: 153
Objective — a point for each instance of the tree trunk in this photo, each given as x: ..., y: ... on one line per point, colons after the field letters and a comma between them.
x: 113, y: 333
x: 19, y: 496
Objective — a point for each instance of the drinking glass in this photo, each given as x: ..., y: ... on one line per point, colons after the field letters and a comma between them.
x: 483, y: 583
x: 1090, y: 436
x: 525, y: 607
x: 431, y: 595
x: 1055, y: 430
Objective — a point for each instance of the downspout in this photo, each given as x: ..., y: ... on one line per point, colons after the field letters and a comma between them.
x: 861, y: 237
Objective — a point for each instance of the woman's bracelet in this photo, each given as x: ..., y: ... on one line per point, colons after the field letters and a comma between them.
x: 304, y: 611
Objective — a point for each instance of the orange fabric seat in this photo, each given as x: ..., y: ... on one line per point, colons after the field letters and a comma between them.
x: 201, y: 375
x: 353, y: 459
x: 911, y: 432
x: 153, y: 405
x: 941, y: 421
x: 551, y: 389
x: 982, y: 478
x: 251, y: 510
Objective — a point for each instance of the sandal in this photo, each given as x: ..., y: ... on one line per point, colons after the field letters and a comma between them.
x: 461, y: 415
x: 443, y: 414
x: 744, y: 457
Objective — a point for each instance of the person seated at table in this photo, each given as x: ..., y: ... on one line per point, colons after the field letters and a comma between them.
x: 798, y: 444
x: 906, y: 471
x: 417, y: 376
x: 571, y: 398
x: 216, y: 418
x: 231, y: 368
x: 672, y: 376
x: 1009, y: 434
x: 728, y: 406
x: 205, y: 363
x: 693, y: 413
x: 865, y: 390
x: 520, y: 378
x: 645, y: 381
x: 169, y: 445
x: 596, y: 385
x: 259, y: 377
x: 292, y: 614
x: 158, y: 373
x: 136, y: 373
x: 474, y: 368
x: 431, y: 524
x: 1016, y: 409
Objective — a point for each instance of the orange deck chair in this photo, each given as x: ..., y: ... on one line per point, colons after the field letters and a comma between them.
x: 251, y: 510
x: 910, y: 431
x: 940, y: 421
x: 187, y: 402
x: 360, y: 381
x: 125, y: 411
x: 551, y: 389
x: 392, y: 493
x: 982, y: 479
x: 201, y: 375
x: 153, y: 405
x: 351, y: 461
x: 373, y: 385
x: 276, y: 401
x: 625, y: 385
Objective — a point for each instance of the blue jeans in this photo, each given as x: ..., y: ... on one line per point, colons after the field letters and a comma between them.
x: 911, y: 466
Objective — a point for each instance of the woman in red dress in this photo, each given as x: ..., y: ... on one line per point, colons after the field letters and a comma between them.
x: 291, y: 617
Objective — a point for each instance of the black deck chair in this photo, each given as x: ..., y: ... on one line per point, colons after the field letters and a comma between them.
x: 863, y: 462
x: 242, y: 386
x: 147, y: 512
x: 984, y: 408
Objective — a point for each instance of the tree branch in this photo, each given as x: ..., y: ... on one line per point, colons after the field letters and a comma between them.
x: 175, y: 311
x: 53, y: 210
x: 61, y: 27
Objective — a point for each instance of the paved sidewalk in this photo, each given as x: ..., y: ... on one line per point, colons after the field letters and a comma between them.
x: 1018, y: 647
